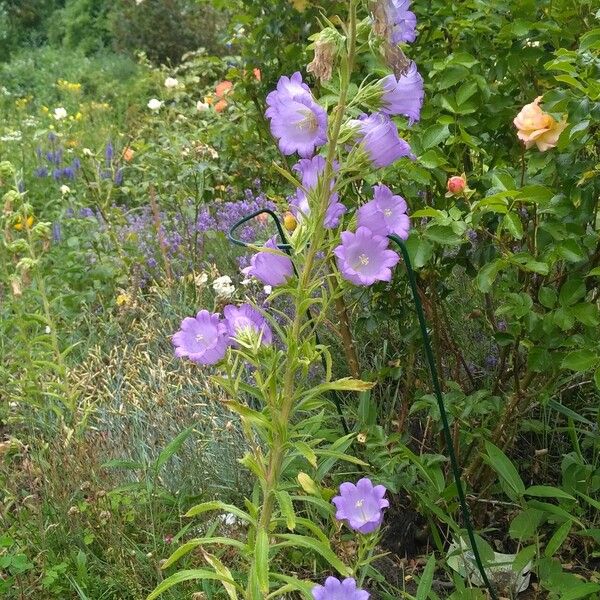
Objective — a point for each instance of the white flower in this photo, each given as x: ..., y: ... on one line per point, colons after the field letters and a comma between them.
x: 11, y: 136
x: 138, y: 2
x: 228, y: 519
x: 60, y: 113
x: 47, y: 329
x: 154, y: 104
x: 65, y: 189
x: 87, y: 152
x: 201, y: 279
x: 171, y: 82
x: 202, y: 106
x: 247, y: 281
x: 268, y: 289
x: 223, y: 287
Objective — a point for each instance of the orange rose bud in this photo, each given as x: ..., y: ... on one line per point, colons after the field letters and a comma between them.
x: 456, y: 184
x: 128, y: 154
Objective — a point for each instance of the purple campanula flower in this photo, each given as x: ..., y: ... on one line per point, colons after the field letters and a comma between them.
x: 152, y: 263
x: 52, y: 137
x: 364, y: 258
x: 119, y: 176
x: 297, y: 121
x: 271, y: 269
x: 203, y: 339
x: 57, y: 174
x: 472, y: 235
x: 361, y: 505
x: 501, y: 325
x: 244, y: 319
x: 491, y: 361
x: 76, y: 163
x: 385, y: 214
x: 379, y: 136
x: 41, y: 172
x: 402, y: 21
x: 310, y: 169
x: 334, y: 589
x: 69, y: 173
x: 86, y: 212
x: 403, y: 96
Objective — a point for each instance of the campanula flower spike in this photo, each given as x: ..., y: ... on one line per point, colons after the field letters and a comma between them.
x: 287, y: 249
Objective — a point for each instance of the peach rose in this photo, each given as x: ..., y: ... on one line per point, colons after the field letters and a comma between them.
x: 128, y: 154
x: 537, y: 127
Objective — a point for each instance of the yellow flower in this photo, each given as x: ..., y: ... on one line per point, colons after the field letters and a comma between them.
x: 300, y: 5
x: 78, y: 116
x: 27, y: 223
x: 45, y: 109
x: 123, y: 299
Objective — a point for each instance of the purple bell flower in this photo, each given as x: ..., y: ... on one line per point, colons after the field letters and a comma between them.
x: 310, y: 169
x: 403, y: 96
x: 385, y: 214
x: 108, y: 153
x: 244, y: 319
x: 119, y: 176
x: 271, y: 269
x: 297, y: 121
x: 41, y: 172
x: 361, y: 505
x: 203, y: 339
x: 334, y: 589
x: 379, y: 136
x: 403, y: 22
x: 363, y: 258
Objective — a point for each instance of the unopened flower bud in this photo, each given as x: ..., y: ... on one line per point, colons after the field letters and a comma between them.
x: 289, y: 221
x: 457, y: 184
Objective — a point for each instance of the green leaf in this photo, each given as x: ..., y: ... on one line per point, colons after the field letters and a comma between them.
x: 525, y: 524
x: 247, y: 413
x: 523, y: 557
x: 341, y: 456
x: 504, y: 467
x: 217, y: 505
x: 586, y: 313
x: 571, y: 292
x: 434, y: 135
x: 173, y: 447
x: 292, y: 583
x: 222, y: 570
x: 194, y: 543
x: 426, y: 579
x: 307, y: 452
x: 443, y: 234
x: 261, y: 560
x: 487, y: 274
x: 419, y: 249
x: 302, y: 541
x: 512, y: 223
x: 547, y: 297
x: 287, y: 508
x: 547, y: 491
x: 558, y: 538
x: 581, y: 590
x: 181, y: 576
x: 580, y: 360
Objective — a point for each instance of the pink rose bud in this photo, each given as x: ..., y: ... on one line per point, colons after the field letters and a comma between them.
x: 456, y: 184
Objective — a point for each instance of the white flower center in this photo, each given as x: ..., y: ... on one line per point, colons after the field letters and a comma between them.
x: 199, y: 337
x: 309, y: 122
x: 359, y: 503
x: 387, y: 212
x: 363, y: 259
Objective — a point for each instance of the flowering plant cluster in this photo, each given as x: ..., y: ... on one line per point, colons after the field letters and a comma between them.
x: 319, y: 251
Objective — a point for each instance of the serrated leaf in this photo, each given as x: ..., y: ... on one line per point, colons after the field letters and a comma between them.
x: 221, y: 569
x: 307, y: 484
x: 307, y: 452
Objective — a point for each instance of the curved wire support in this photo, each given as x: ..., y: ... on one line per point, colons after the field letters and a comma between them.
x: 287, y: 248
x: 440, y: 401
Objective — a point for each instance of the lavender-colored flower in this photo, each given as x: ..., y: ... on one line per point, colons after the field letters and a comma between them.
x: 334, y: 589
x: 56, y: 232
x: 108, y: 153
x: 403, y: 22
x: 501, y: 325
x: 203, y: 339
x: 41, y: 172
x: 310, y: 169
x: 404, y: 95
x: 69, y: 173
x: 57, y: 174
x: 361, y: 505
x: 86, y: 212
x: 271, y: 269
x: 385, y: 214
x: 379, y: 136
x: 244, y: 319
x: 118, y: 176
x: 364, y: 258
x: 52, y: 137
x: 297, y: 121
x: 76, y: 163
x: 472, y: 235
